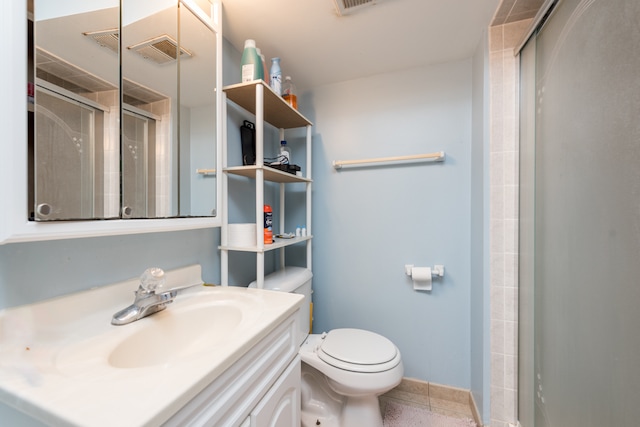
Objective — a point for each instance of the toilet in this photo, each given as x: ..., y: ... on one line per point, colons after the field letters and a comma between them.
x: 343, y: 370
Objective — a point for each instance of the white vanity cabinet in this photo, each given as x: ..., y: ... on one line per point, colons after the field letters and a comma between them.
x: 270, y: 109
x: 261, y: 389
x: 281, y: 406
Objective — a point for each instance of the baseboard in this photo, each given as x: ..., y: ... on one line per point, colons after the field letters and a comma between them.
x: 474, y: 410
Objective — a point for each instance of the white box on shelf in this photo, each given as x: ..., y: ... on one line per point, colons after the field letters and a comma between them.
x: 242, y: 235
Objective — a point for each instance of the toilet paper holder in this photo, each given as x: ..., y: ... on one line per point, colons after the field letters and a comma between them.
x: 436, y: 271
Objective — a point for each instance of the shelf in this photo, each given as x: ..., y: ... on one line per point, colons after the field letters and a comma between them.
x: 277, y: 244
x: 269, y: 108
x: 270, y: 174
x: 276, y: 110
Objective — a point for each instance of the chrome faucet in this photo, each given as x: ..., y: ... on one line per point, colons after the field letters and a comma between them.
x: 149, y: 298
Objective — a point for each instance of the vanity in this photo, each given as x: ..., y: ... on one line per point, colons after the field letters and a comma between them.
x: 222, y: 356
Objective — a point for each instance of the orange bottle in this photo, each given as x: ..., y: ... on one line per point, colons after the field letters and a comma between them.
x: 268, y: 224
x: 289, y: 92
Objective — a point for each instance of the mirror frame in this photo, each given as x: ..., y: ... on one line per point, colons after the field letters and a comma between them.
x: 14, y: 223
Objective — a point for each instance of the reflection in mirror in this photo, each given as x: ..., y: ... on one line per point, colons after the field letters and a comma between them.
x: 73, y: 142
x: 169, y: 111
x: 150, y: 113
x: 138, y: 166
x: 197, y: 117
x: 73, y: 160
x: 104, y: 145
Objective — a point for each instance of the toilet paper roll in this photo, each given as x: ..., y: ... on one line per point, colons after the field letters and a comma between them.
x: 421, y: 278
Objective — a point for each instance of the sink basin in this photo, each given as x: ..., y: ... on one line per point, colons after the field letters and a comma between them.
x: 188, y: 328
x: 171, y: 334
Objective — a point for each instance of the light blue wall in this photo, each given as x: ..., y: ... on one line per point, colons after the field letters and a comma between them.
x: 370, y: 222
x: 202, y: 156
x: 35, y: 271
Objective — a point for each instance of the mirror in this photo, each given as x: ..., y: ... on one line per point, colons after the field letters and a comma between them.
x: 75, y: 137
x: 125, y: 110
x: 197, y: 117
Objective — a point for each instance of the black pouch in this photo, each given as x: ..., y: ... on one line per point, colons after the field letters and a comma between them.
x: 248, y: 140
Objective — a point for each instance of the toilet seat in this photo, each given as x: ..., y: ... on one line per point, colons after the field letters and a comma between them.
x: 358, y: 350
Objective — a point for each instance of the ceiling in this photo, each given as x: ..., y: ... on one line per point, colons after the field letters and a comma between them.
x: 84, y: 65
x: 318, y: 47
x: 516, y: 10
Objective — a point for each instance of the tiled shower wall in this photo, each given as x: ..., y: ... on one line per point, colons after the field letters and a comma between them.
x: 504, y: 78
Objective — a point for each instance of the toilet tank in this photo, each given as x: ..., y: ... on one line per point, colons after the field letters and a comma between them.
x: 298, y: 281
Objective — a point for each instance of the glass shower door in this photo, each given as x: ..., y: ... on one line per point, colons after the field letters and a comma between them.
x: 67, y: 164
x: 581, y: 367
x: 138, y: 166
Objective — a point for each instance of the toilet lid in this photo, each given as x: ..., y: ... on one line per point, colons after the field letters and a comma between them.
x: 358, y: 350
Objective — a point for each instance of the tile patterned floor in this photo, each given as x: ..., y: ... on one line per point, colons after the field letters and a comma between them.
x: 444, y: 400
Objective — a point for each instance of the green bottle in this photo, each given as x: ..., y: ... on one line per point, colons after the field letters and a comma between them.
x: 251, y: 63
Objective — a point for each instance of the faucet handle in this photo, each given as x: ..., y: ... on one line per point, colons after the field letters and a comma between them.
x: 152, y: 278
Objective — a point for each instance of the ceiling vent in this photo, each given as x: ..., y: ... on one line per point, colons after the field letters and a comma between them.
x: 345, y: 7
x: 161, y: 50
x: 105, y: 38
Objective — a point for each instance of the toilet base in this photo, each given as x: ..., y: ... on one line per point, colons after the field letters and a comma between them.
x: 323, y: 407
x: 358, y: 411
x: 361, y: 411
x: 311, y: 420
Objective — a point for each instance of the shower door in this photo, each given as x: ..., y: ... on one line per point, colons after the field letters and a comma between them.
x: 580, y: 218
x: 68, y: 158
x: 138, y: 165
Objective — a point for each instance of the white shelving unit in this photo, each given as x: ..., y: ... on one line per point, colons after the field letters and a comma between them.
x: 269, y: 108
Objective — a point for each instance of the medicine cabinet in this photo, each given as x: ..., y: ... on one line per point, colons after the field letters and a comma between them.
x: 120, y: 121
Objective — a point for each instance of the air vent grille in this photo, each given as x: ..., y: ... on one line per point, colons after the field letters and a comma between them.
x: 354, y: 3
x: 344, y: 7
x: 105, y: 38
x: 161, y: 50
